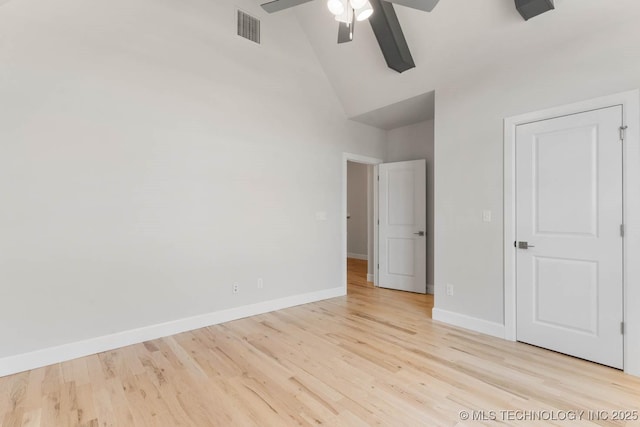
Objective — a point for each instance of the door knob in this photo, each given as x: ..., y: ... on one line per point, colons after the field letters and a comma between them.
x: 524, y: 245
x: 419, y: 233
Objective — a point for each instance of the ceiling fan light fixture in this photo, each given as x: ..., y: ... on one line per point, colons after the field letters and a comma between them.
x: 346, y: 16
x: 336, y: 7
x: 357, y: 4
x: 364, y: 12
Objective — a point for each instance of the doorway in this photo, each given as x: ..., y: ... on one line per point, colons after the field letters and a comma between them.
x: 360, y: 210
x: 396, y: 217
x: 369, y: 164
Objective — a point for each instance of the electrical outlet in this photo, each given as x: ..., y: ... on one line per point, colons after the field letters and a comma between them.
x: 449, y: 289
x: 260, y: 283
x: 235, y: 288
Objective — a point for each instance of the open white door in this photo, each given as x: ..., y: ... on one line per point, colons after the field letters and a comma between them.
x: 402, y: 203
x: 569, y: 251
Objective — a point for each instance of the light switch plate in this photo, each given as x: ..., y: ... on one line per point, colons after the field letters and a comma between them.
x: 486, y: 216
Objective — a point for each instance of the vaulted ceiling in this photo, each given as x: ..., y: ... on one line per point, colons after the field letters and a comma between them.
x: 459, y: 40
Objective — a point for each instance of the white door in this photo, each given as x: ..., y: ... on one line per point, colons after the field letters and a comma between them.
x: 402, y: 214
x: 569, y: 212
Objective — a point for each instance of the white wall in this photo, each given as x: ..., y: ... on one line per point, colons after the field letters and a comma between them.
x: 357, y: 208
x: 415, y: 142
x: 149, y: 159
x: 469, y: 151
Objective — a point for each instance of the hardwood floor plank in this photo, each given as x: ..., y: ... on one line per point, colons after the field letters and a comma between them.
x: 374, y: 357
x: 32, y: 418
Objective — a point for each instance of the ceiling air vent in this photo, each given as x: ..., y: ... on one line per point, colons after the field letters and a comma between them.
x: 248, y: 27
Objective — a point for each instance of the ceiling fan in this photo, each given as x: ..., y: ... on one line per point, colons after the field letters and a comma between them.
x: 382, y: 18
x: 385, y: 24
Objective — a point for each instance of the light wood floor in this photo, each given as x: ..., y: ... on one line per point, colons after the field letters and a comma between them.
x: 374, y: 357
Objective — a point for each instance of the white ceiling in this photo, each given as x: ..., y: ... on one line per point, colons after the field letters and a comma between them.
x: 404, y: 113
x: 459, y: 40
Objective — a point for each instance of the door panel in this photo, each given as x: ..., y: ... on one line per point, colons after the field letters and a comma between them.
x: 401, y: 256
x: 554, y: 186
x: 402, y: 214
x: 569, y: 209
x: 401, y: 206
x: 561, y: 283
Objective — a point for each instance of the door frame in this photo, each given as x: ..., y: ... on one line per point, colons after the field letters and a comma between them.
x: 357, y: 158
x: 630, y: 102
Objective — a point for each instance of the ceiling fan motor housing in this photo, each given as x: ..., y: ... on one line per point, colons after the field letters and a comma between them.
x: 530, y: 8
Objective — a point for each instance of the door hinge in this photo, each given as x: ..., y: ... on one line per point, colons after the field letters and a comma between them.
x: 621, y: 230
x: 378, y: 177
x: 623, y: 132
x: 378, y: 266
x: 622, y: 328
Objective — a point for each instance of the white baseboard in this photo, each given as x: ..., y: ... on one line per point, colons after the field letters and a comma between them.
x: 468, y: 322
x: 430, y: 289
x: 369, y: 277
x: 48, y: 356
x: 357, y: 256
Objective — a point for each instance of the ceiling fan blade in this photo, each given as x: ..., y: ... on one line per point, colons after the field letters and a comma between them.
x: 345, y: 32
x: 424, y: 5
x: 278, y: 5
x: 386, y: 27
